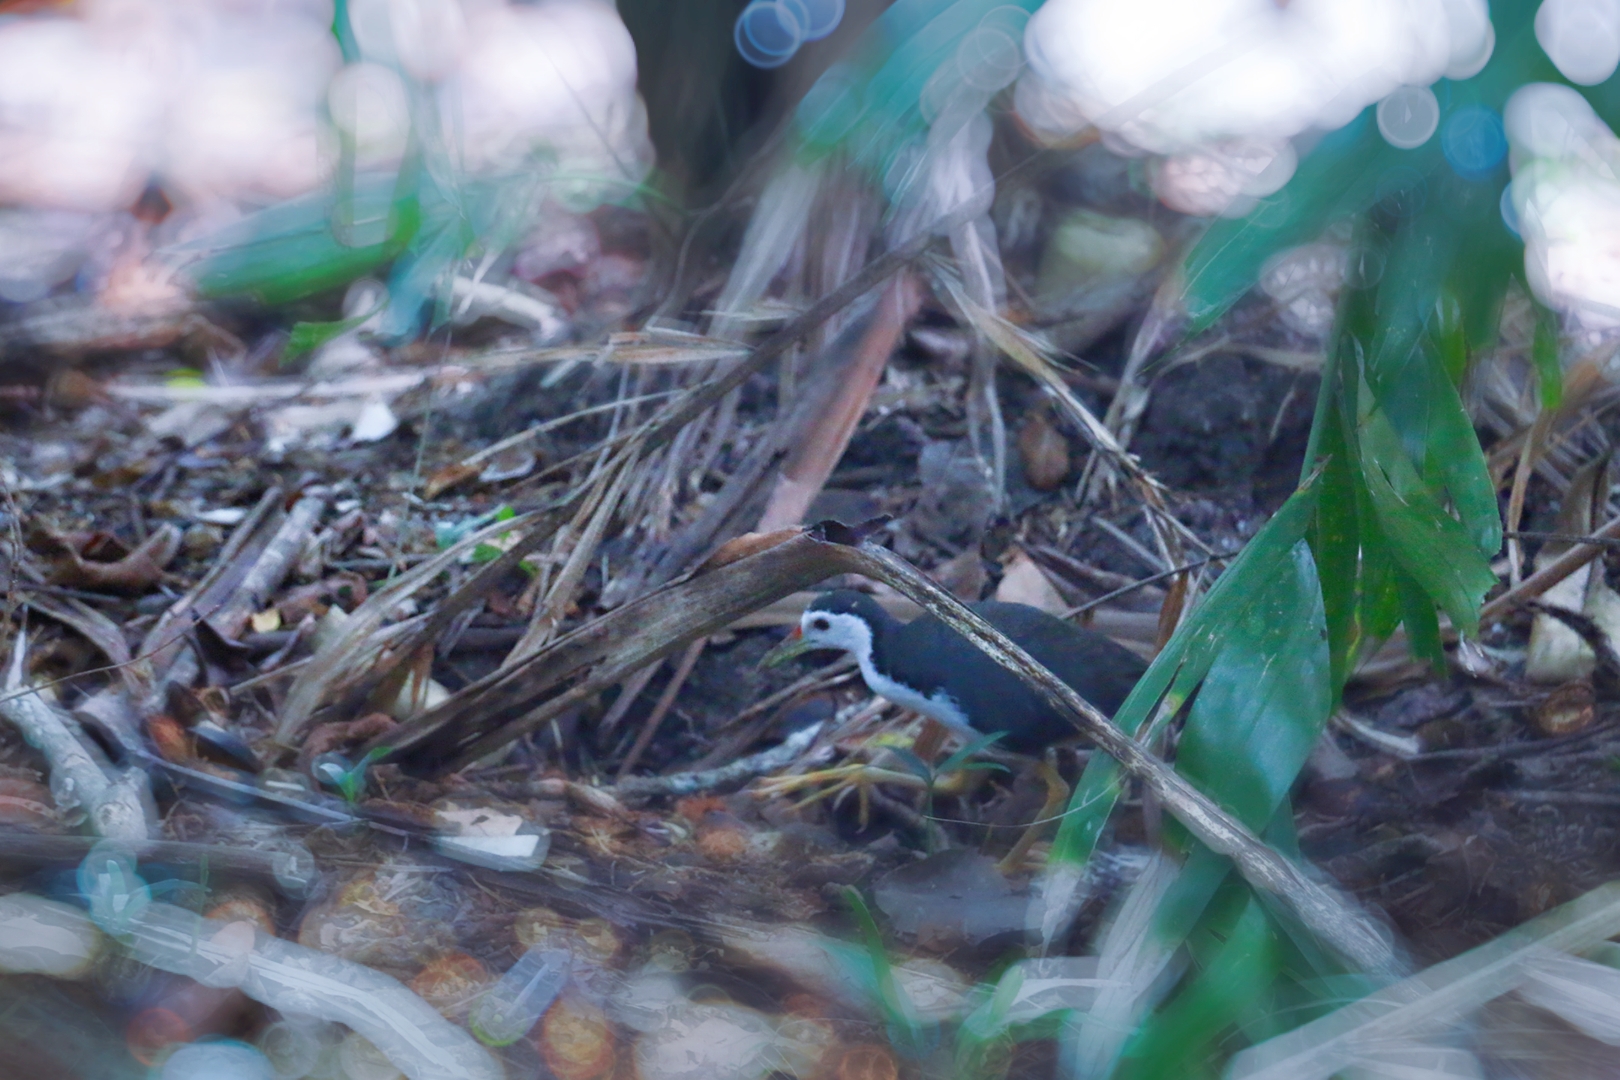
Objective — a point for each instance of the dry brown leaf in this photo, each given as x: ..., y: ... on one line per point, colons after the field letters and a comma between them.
x: 448, y: 477
x: 1044, y: 452
x: 740, y: 547
x: 1026, y: 583
x: 138, y: 571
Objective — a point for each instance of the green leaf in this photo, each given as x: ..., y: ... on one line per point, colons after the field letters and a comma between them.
x: 956, y: 761
x: 1341, y: 177
x: 1379, y: 606
x: 1239, y: 960
x: 1266, y: 698
x: 1544, y: 350
x: 1184, y: 660
x: 486, y: 553
x: 907, y: 1033
x: 1413, y: 318
x: 291, y: 250
x: 913, y: 764
x: 1429, y: 544
x: 1424, y: 406
x: 306, y: 337
x: 1335, y: 538
x: 1422, y: 625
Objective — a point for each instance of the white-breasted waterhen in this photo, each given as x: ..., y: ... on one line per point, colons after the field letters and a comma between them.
x: 926, y: 666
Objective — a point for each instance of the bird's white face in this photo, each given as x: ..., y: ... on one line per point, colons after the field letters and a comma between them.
x: 836, y: 630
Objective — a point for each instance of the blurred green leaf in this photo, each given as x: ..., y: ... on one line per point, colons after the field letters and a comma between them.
x: 485, y: 553
x: 913, y: 764
x: 959, y: 759
x: 1338, y: 179
x: 907, y: 1033
x: 306, y: 337
x: 1238, y: 961
x: 1544, y: 350
x: 292, y: 250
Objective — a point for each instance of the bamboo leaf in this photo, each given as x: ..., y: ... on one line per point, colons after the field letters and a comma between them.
x: 1265, y: 699
x: 1422, y: 625
x: 1239, y: 961
x: 1336, y: 540
x: 1544, y: 350
x: 1184, y: 660
x: 1429, y: 544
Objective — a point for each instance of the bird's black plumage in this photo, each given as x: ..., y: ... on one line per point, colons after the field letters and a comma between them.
x: 929, y: 657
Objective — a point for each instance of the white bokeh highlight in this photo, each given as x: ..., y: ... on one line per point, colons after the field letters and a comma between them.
x: 1190, y: 80
x: 1408, y: 117
x: 249, y: 101
x: 1566, y: 197
x: 1581, y: 38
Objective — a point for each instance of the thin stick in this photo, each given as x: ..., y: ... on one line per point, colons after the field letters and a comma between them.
x: 540, y: 429
x: 743, y: 769
x: 1521, y: 483
x: 632, y: 688
x: 665, y: 701
x: 1160, y: 576
x: 1562, y: 538
x: 1587, y: 548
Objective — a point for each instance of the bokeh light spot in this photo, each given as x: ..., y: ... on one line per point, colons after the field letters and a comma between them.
x: 1581, y: 38
x: 217, y: 1060
x: 769, y: 32
x: 823, y: 18
x: 1408, y: 117
x: 1473, y: 142
x: 1510, y: 213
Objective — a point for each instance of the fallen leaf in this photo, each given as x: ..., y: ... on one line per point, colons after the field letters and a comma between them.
x: 138, y: 571
x: 1044, y: 452
x: 1026, y: 583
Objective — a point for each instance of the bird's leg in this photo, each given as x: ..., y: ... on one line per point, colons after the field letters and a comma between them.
x: 837, y: 780
x: 861, y: 776
x: 1057, y: 796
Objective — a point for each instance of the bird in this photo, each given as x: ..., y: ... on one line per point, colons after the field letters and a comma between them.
x: 927, y: 666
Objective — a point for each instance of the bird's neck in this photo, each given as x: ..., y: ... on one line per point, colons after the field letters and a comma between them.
x: 875, y: 670
x: 868, y: 650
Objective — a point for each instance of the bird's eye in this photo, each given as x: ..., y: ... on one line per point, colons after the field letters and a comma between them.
x: 820, y: 624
